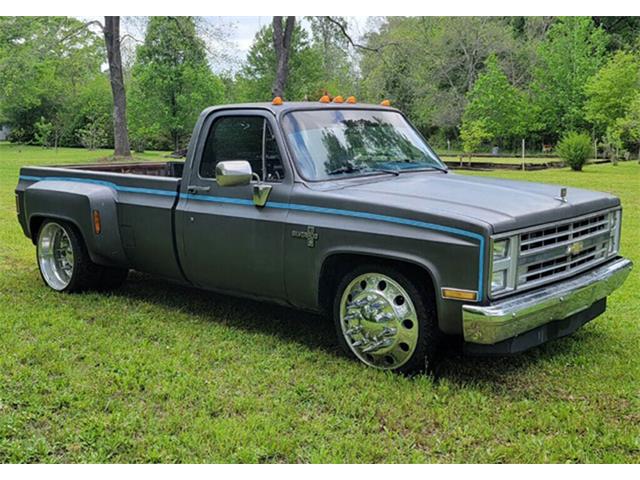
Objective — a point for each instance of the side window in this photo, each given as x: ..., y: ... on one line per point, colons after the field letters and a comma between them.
x: 242, y: 138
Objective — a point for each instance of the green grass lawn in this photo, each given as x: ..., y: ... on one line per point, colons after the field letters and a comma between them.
x: 159, y: 373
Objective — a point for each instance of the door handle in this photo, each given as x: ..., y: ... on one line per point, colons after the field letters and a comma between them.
x: 197, y: 189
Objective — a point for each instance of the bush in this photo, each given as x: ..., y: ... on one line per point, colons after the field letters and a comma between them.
x: 43, y: 132
x: 575, y: 149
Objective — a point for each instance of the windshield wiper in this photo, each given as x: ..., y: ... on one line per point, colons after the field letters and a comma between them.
x: 344, y: 169
x: 385, y: 170
x: 354, y: 169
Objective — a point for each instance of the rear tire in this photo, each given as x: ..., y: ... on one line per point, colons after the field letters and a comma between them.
x: 64, y: 262
x: 385, y: 318
x: 63, y: 259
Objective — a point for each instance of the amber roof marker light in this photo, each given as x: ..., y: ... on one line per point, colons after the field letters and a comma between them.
x: 338, y: 99
x: 277, y: 101
x: 352, y: 99
x: 385, y: 103
x: 325, y: 99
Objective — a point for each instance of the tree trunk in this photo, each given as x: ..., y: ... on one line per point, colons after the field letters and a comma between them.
x: 120, y: 132
x: 282, y: 46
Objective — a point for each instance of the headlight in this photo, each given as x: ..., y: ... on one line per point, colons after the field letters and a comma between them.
x: 503, y: 264
x: 498, y: 280
x: 500, y: 249
x: 615, y: 218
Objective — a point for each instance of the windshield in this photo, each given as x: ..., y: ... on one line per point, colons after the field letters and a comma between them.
x: 336, y: 143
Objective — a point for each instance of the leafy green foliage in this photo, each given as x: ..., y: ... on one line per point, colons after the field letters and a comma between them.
x: 43, y: 132
x: 611, y: 90
x: 427, y: 65
x: 575, y: 149
x: 171, y: 83
x: 305, y: 80
x: 473, y: 134
x: 571, y: 53
x: 501, y: 107
x: 628, y: 127
x: 47, y: 63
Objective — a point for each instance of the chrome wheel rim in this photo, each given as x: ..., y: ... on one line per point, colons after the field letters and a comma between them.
x: 379, y: 321
x: 55, y: 256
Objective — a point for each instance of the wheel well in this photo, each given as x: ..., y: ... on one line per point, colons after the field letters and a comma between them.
x: 34, y: 227
x: 35, y: 223
x: 337, y: 266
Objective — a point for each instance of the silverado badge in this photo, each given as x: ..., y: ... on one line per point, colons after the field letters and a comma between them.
x: 310, y: 235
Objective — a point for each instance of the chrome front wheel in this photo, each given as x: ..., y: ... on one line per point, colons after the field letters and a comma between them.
x: 379, y: 321
x: 56, y: 257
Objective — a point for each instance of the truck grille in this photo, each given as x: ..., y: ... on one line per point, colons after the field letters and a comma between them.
x: 562, y: 249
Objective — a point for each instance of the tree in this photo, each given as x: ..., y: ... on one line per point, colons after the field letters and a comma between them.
x: 255, y: 80
x: 571, y: 53
x: 112, y: 42
x: 501, y: 106
x: 627, y: 128
x: 330, y: 39
x: 426, y: 65
x: 171, y: 83
x: 610, y: 91
x: 473, y: 134
x: 282, y: 48
x: 46, y: 64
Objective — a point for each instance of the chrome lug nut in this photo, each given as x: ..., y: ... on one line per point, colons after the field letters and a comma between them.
x: 353, y: 330
x: 383, y: 317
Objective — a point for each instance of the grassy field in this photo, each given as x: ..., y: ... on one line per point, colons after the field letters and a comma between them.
x: 159, y: 373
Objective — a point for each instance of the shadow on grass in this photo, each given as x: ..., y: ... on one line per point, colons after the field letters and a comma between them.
x: 308, y: 329
x: 317, y: 332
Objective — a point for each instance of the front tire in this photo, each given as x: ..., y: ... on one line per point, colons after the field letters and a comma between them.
x: 386, y: 320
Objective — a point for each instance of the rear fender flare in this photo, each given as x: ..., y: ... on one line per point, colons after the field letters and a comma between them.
x: 75, y: 202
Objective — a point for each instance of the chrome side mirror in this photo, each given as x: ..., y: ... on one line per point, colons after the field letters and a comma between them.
x: 238, y: 172
x: 233, y: 172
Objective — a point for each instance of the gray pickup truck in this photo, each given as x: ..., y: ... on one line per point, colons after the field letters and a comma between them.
x: 339, y: 208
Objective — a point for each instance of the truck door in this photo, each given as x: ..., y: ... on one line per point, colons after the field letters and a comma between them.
x: 225, y: 242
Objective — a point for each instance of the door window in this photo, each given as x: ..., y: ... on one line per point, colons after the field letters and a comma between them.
x: 247, y: 138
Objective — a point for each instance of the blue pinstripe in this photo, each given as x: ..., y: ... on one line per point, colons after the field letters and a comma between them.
x: 292, y: 206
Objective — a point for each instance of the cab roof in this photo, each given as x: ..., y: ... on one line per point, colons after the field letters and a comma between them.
x: 278, y: 110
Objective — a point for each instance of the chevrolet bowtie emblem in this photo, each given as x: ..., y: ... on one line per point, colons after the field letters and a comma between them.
x: 575, y: 248
x: 310, y: 235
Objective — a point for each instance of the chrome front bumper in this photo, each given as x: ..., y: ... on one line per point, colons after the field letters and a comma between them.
x: 515, y: 315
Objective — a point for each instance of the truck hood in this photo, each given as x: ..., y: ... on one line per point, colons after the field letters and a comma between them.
x: 504, y: 205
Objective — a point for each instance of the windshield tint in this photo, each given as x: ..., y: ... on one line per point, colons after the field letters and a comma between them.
x: 335, y: 143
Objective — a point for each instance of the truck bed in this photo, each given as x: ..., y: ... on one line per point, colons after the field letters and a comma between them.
x: 140, y: 230
x: 156, y: 169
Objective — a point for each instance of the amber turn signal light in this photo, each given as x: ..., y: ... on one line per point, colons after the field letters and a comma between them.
x: 458, y: 294
x: 97, y: 224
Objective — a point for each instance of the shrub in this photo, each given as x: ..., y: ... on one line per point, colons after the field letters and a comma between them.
x: 43, y: 132
x: 473, y: 134
x: 575, y: 149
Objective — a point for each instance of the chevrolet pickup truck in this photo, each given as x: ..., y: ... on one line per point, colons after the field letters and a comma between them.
x: 341, y: 208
